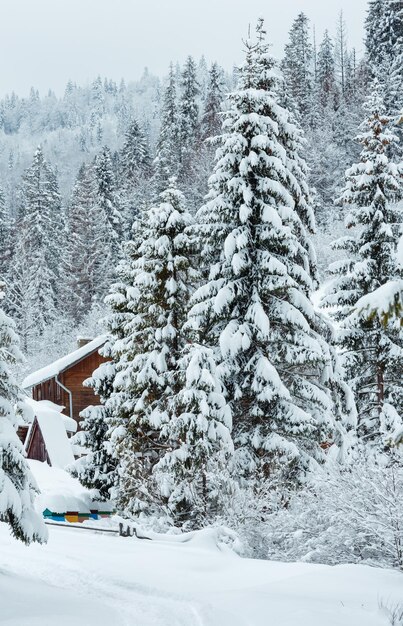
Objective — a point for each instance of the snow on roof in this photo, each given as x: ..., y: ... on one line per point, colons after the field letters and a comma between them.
x: 55, y: 368
x: 52, y: 405
x: 34, y: 406
x: 54, y: 434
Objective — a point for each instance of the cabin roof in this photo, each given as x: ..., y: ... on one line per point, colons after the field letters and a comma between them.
x: 59, y: 366
x: 53, y: 429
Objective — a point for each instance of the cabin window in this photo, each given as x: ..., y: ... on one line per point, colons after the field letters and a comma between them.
x: 58, y: 392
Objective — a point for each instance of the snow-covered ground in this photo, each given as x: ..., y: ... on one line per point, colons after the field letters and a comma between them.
x: 92, y: 579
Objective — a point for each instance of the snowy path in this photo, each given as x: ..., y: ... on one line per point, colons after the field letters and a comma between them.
x: 103, y: 579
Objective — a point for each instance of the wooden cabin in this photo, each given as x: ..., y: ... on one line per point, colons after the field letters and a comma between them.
x: 61, y: 382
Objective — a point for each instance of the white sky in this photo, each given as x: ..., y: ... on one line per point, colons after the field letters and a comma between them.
x: 46, y: 42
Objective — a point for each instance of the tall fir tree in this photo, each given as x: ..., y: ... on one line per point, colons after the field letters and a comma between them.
x: 189, y: 113
x: 17, y: 485
x: 297, y: 66
x: 134, y: 172
x: 34, y: 285
x: 254, y: 310
x: 384, y: 48
x: 211, y: 118
x: 150, y: 305
x: 326, y: 77
x: 97, y: 468
x: 167, y: 160
x: 199, y: 166
x: 134, y: 156
x: 193, y: 473
x: 6, y: 234
x: 372, y: 353
x: 108, y: 198
x: 88, y: 248
x: 384, y: 27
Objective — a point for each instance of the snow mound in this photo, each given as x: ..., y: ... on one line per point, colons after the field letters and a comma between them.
x: 60, y: 492
x: 44, y: 605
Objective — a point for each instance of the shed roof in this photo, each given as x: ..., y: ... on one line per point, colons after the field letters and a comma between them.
x: 39, y: 406
x: 59, y: 366
x: 53, y: 429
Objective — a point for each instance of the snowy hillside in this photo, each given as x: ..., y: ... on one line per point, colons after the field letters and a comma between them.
x: 103, y: 579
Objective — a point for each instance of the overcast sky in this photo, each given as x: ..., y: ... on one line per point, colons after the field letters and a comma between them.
x: 46, y: 42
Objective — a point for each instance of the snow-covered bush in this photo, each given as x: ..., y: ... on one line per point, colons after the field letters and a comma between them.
x: 393, y: 613
x: 247, y: 511
x: 348, y: 514
x: 351, y: 515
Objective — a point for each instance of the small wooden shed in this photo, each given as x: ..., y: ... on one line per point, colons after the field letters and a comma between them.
x: 48, y: 435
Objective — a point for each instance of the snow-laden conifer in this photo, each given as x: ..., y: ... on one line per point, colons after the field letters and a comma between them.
x: 193, y: 473
x: 384, y: 46
x: 255, y: 307
x: 97, y: 468
x: 211, y: 118
x: 134, y: 156
x: 33, y: 284
x: 88, y: 247
x: 156, y: 282
x: 326, y: 75
x: 17, y: 485
x: 297, y: 65
x: 372, y: 352
x: 6, y: 247
x: 134, y: 172
x: 108, y: 197
x: 166, y: 163
x: 189, y: 110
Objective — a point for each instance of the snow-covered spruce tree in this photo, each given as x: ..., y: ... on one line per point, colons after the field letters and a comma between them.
x: 134, y: 156
x: 198, y: 169
x: 108, y: 197
x: 384, y: 24
x: 189, y: 114
x: 134, y: 173
x: 373, y: 26
x: 166, y: 163
x: 97, y: 469
x: 88, y: 247
x: 193, y: 474
x: 297, y: 65
x: 372, y: 352
x: 303, y: 225
x: 17, y: 485
x: 6, y: 247
x: 32, y: 298
x: 211, y: 118
x: 146, y: 344
x: 326, y: 75
x: 254, y: 307
x: 384, y: 47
